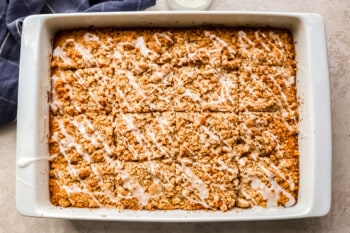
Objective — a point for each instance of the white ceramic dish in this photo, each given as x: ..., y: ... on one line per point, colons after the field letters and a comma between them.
x: 32, y: 192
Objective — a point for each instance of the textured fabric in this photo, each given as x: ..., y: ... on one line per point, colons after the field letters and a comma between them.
x: 12, y: 14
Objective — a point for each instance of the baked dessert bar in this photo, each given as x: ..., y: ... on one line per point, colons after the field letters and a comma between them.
x: 267, y: 182
x: 268, y: 134
x: 174, y: 118
x: 82, y: 49
x: 83, y: 90
x: 265, y: 47
x: 206, y: 134
x: 202, y: 88
x: 82, y: 137
x: 209, y: 182
x: 267, y: 89
x: 150, y: 91
x: 145, y: 136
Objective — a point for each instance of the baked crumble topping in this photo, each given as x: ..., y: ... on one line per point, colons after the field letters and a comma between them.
x: 162, y: 119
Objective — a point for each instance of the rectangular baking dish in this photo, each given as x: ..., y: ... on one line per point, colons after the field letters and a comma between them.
x: 32, y: 189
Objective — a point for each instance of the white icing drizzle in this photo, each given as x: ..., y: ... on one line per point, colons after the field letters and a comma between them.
x: 87, y: 57
x: 55, y: 103
x: 70, y: 142
x: 132, y: 128
x: 106, y: 191
x: 152, y: 135
x: 82, y: 130
x: 58, y: 52
x: 192, y: 95
x: 164, y: 35
x: 91, y: 37
x: 222, y: 94
x: 210, y: 134
x: 242, y: 36
x: 223, y: 167
x: 280, y: 173
x: 272, y: 192
x: 249, y: 134
x: 76, y: 189
x: 136, y: 87
x: 219, y: 43
x: 152, y: 169
x: 95, y: 138
x: 134, y: 187
x: 242, y: 162
x: 141, y: 45
x: 137, y: 191
x: 276, y: 39
x: 289, y: 81
x: 227, y: 86
x: 196, y: 183
x: 151, y: 146
x: 129, y: 122
x: 191, y: 55
x: 81, y: 81
x: 262, y: 43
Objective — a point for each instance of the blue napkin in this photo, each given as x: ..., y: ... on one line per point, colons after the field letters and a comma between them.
x: 12, y: 14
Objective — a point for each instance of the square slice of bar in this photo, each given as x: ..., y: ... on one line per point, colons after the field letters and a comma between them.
x: 145, y: 92
x: 81, y: 137
x: 194, y: 48
x: 84, y: 48
x: 137, y: 50
x: 70, y: 184
x: 205, y: 89
x: 265, y: 47
x: 200, y: 135
x: 82, y: 90
x: 267, y: 89
x: 206, y: 183
x: 268, y: 183
x: 151, y: 183
x: 204, y: 46
x: 145, y: 136
x: 268, y: 134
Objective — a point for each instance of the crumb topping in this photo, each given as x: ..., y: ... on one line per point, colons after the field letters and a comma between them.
x: 162, y: 119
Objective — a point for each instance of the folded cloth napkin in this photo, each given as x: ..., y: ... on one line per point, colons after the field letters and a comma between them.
x: 12, y: 14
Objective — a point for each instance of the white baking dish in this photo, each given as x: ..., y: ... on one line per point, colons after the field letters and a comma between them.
x: 32, y: 190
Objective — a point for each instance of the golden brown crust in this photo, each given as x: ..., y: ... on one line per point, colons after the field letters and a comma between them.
x: 194, y: 118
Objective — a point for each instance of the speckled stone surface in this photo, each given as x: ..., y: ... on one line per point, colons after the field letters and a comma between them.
x: 337, y: 17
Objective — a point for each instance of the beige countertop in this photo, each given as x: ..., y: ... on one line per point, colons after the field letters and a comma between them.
x: 337, y: 17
